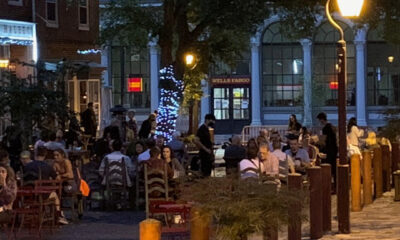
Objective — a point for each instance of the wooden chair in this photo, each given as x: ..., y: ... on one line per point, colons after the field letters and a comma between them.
x: 116, y: 183
x: 49, y: 205
x: 159, y: 203
x: 139, y: 182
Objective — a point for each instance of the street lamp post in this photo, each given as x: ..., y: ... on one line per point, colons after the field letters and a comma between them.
x: 191, y: 63
x: 349, y: 8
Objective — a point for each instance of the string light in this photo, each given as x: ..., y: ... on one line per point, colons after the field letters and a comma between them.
x: 9, y: 41
x: 169, y: 103
x: 88, y: 51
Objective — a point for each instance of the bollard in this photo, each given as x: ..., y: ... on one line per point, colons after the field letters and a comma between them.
x: 294, y: 226
x: 367, y: 181
x: 343, y: 212
x: 377, y: 163
x: 355, y: 183
x: 326, y: 197
x: 386, y: 165
x: 199, y: 226
x: 395, y: 159
x: 314, y: 174
x: 396, y: 180
x: 150, y: 229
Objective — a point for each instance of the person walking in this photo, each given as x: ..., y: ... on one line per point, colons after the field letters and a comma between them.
x: 329, y: 143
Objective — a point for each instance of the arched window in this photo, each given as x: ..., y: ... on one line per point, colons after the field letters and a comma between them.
x: 383, y: 78
x: 325, y: 88
x: 282, y: 69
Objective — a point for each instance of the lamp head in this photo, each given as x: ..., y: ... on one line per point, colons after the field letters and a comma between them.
x: 350, y: 8
x: 189, y: 59
x: 4, y: 63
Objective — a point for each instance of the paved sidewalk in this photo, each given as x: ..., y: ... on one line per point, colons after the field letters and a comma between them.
x: 380, y: 220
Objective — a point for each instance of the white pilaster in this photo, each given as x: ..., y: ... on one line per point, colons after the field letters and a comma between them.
x: 255, y: 82
x: 154, y: 70
x: 307, y: 85
x: 361, y: 105
x: 205, y: 99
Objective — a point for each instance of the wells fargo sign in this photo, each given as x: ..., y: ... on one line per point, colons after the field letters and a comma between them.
x: 231, y: 80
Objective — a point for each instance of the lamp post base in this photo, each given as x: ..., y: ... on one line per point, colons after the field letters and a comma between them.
x: 343, y: 198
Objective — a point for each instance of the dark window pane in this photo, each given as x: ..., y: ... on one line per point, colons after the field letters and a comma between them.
x: 51, y: 11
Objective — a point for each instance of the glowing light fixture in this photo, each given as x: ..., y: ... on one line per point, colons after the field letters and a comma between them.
x: 4, y: 63
x: 390, y: 59
x: 189, y: 59
x: 350, y: 8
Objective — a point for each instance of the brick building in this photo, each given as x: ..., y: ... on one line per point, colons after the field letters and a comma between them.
x: 52, y: 31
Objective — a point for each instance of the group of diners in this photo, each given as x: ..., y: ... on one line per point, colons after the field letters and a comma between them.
x: 269, y: 155
x: 31, y: 170
x: 154, y: 153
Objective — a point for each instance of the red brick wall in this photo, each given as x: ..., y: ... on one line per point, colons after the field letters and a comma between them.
x: 67, y: 38
x: 20, y: 13
x: 64, y: 41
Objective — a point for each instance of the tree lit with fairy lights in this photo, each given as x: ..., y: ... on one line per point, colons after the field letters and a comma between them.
x: 171, y: 93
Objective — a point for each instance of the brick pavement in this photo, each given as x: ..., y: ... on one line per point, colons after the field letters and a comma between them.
x: 381, y: 220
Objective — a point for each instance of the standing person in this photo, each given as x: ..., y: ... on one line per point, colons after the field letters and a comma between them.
x: 329, y: 143
x: 131, y: 127
x: 294, y: 126
x: 89, y: 120
x: 353, y: 133
x: 205, y: 145
x: 147, y: 127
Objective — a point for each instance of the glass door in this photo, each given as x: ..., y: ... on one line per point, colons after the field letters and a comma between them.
x: 231, y: 107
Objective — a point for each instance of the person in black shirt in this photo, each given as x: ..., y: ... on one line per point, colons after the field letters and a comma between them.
x: 37, y: 169
x: 329, y: 146
x: 205, y: 145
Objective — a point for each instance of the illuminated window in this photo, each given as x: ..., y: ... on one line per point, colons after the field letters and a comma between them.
x: 383, y: 71
x: 282, y: 69
x: 325, y: 92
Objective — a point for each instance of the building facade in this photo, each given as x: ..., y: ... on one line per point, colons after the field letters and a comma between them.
x: 58, y: 31
x: 278, y: 77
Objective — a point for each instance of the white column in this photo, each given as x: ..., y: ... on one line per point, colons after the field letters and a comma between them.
x: 255, y: 83
x: 205, y: 99
x: 360, y: 73
x: 307, y: 85
x: 154, y: 69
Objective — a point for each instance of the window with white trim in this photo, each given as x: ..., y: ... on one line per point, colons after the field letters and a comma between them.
x: 16, y: 2
x: 84, y: 14
x: 51, y: 13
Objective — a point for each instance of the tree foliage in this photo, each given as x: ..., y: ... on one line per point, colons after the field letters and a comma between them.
x: 212, y: 29
x: 34, y: 103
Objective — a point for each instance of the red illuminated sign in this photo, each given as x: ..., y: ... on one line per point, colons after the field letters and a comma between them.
x: 333, y: 85
x: 135, y: 84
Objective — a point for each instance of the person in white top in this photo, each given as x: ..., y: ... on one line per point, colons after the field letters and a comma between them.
x: 251, y: 162
x: 285, y: 162
x: 144, y: 156
x: 353, y: 134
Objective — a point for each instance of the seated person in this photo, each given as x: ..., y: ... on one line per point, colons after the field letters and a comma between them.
x: 262, y: 137
x: 251, y: 162
x: 116, y: 155
x: 178, y: 147
x: 269, y: 160
x: 144, y: 156
x: 36, y: 169
x: 156, y: 162
x: 62, y: 165
x: 299, y: 156
x: 285, y: 162
x: 8, y: 193
x: 233, y: 155
x: 169, y: 157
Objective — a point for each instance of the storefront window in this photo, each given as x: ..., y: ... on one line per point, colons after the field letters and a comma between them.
x: 383, y: 78
x: 221, y: 103
x: 325, y: 81
x: 282, y: 69
x: 137, y: 64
